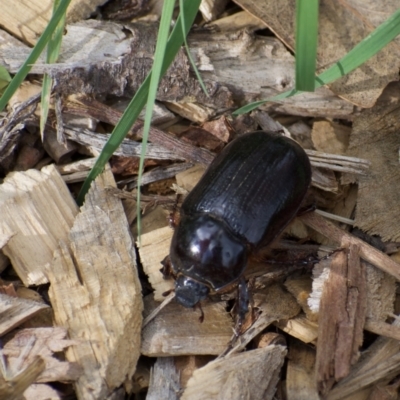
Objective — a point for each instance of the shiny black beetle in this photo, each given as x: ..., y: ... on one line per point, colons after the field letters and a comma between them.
x: 247, y: 196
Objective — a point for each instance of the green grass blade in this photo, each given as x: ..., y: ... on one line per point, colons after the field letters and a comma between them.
x: 35, y: 53
x: 306, y: 44
x: 156, y: 73
x: 5, y: 78
x: 53, y: 51
x: 196, y: 71
x: 139, y: 100
x: 362, y: 52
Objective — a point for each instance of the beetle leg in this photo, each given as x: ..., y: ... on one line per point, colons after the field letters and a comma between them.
x: 242, y: 304
x: 306, y: 209
x: 173, y: 218
x: 201, y: 318
x: 166, y: 269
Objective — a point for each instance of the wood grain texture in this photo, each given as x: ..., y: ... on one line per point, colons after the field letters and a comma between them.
x: 96, y: 294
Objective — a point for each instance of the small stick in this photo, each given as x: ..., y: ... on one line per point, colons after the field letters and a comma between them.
x: 367, y: 252
x: 155, y: 312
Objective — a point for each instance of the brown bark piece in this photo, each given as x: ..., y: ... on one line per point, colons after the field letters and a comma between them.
x: 380, y: 362
x: 367, y: 252
x: 176, y: 330
x: 38, y: 211
x: 341, y: 318
x: 341, y: 27
x: 250, y: 375
x: 236, y: 68
x: 376, y: 136
x: 96, y: 294
x: 14, y: 311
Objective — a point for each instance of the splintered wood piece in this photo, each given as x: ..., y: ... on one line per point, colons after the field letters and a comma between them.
x: 300, y: 288
x: 237, y: 21
x: 253, y: 375
x: 341, y: 318
x: 382, y: 329
x: 27, y: 344
x: 154, y: 247
x: 117, y: 51
x: 275, y: 304
x: 367, y: 252
x: 13, y: 385
x: 380, y: 363
x: 176, y: 330
x: 191, y: 111
x: 164, y: 380
x: 95, y: 293
x: 37, y: 211
x: 14, y: 311
x: 269, y: 68
x: 300, y: 377
x: 299, y: 327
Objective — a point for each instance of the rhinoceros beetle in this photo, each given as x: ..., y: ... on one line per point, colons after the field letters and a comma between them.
x: 247, y: 196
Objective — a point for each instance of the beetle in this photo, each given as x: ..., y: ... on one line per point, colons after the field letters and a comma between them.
x: 244, y: 200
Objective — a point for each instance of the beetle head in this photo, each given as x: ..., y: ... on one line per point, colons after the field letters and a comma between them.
x: 189, y: 292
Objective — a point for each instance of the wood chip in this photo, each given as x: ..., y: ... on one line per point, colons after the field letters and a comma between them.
x: 14, y: 384
x: 154, y: 247
x: 14, y: 311
x: 380, y: 362
x: 341, y: 318
x: 253, y: 375
x: 45, y: 210
x: 176, y: 330
x: 25, y: 345
x: 300, y: 378
x: 164, y: 380
x: 95, y: 292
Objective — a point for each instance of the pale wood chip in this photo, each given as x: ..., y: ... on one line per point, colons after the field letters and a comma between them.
x: 253, y: 374
x: 95, y: 293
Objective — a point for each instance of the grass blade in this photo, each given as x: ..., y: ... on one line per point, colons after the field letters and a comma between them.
x: 35, y: 53
x: 139, y: 100
x: 156, y: 73
x: 5, y: 78
x: 306, y: 44
x: 196, y: 71
x: 362, y: 52
x: 53, y: 50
